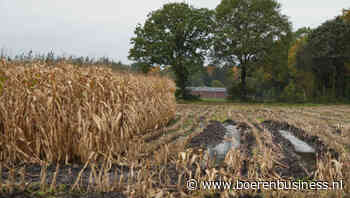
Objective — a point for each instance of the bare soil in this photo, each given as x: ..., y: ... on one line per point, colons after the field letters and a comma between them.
x: 212, y: 135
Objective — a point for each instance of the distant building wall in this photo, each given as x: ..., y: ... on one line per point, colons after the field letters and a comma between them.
x: 209, y: 92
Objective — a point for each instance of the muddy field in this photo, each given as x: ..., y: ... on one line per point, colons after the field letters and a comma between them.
x: 181, y: 151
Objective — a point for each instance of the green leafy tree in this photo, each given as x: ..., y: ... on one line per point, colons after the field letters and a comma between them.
x: 275, y: 63
x: 176, y: 35
x: 140, y: 67
x: 219, y: 74
x: 197, y: 79
x: 325, y: 54
x: 247, y: 29
x: 292, y: 93
x: 301, y: 33
x: 217, y: 83
x: 304, y: 79
x: 207, y: 78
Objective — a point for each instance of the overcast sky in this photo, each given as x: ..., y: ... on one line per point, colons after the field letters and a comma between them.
x: 104, y: 27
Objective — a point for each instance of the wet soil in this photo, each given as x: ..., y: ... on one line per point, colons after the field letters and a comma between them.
x: 66, y: 176
x: 248, y: 140
x: 288, y: 156
x: 213, y: 134
x: 25, y: 194
x: 68, y: 173
x: 320, y: 147
x: 300, y: 165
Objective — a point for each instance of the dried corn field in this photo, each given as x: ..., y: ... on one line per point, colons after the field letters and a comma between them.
x: 67, y: 130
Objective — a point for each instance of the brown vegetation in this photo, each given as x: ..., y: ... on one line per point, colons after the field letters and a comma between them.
x: 110, y: 132
x: 71, y: 112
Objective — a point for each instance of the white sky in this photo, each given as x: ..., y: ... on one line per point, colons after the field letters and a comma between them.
x: 104, y: 27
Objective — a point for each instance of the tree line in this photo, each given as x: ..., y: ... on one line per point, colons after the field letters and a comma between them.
x: 51, y: 58
x: 252, y: 49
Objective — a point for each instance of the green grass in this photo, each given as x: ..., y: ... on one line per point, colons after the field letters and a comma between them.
x: 217, y: 101
x: 205, y: 101
x: 214, y: 100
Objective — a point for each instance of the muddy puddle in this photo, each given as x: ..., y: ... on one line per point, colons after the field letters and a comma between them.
x: 299, y: 145
x: 297, y: 150
x: 231, y: 140
x: 305, y: 152
x: 217, y: 139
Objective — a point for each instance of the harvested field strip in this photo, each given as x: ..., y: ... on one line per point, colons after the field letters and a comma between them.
x: 184, y: 120
x: 264, y: 156
x: 154, y: 145
x: 313, y: 121
x: 331, y: 114
x: 163, y: 131
x: 292, y: 166
x: 172, y: 134
x: 201, y: 119
x: 330, y: 109
x: 171, y: 137
x: 335, y: 120
x: 334, y: 117
x: 178, y: 142
x: 314, y: 127
x: 192, y: 124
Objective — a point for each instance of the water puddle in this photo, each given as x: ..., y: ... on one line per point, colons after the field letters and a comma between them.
x: 299, y: 145
x: 306, y: 152
x: 231, y: 140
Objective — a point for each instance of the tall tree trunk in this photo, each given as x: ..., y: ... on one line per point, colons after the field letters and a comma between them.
x: 182, y: 80
x: 243, y: 82
x: 334, y: 81
x: 340, y: 76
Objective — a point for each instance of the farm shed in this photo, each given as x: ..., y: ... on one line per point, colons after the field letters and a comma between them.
x: 209, y: 92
